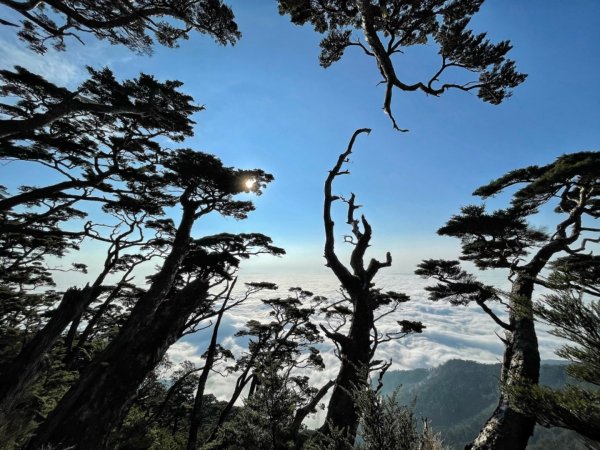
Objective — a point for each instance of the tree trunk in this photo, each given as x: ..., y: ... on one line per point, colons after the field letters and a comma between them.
x: 356, y: 348
x: 195, y: 416
x: 508, y: 429
x: 95, y: 405
x: 70, y: 337
x: 23, y: 369
x: 82, y: 340
x: 354, y: 372
x: 242, y: 382
x: 301, y: 413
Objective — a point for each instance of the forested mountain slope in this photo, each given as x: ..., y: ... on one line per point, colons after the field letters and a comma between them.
x: 459, y: 396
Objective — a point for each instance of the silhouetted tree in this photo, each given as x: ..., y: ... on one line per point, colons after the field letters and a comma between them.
x: 52, y: 116
x: 98, y: 401
x: 103, y: 320
x: 100, y: 141
x: 215, y: 352
x: 276, y: 350
x: 390, y: 26
x: 101, y: 160
x: 159, y: 415
x: 352, y: 320
x: 504, y: 239
x: 575, y: 317
x: 129, y: 23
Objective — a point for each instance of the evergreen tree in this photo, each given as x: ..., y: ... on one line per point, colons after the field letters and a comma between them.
x: 100, y: 398
x: 575, y: 317
x: 129, y: 23
x: 503, y: 239
x: 390, y: 26
x: 386, y: 424
x: 215, y: 352
x: 97, y: 160
x: 265, y: 420
x: 277, y: 350
x: 101, y: 141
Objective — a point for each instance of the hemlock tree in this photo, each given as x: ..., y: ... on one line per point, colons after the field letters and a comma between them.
x: 353, y: 319
x: 574, y: 312
x: 276, y: 351
x: 52, y: 120
x: 503, y: 239
x: 99, y: 159
x: 215, y: 352
x: 390, y: 26
x: 129, y: 23
x: 98, y: 401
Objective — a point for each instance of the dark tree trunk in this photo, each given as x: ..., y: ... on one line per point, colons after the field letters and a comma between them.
x: 196, y: 414
x: 253, y: 387
x: 356, y: 348
x: 354, y: 371
x: 170, y: 393
x: 306, y: 410
x: 95, y: 405
x: 73, y: 352
x: 70, y: 337
x: 101, y: 396
x: 508, y: 429
x: 22, y: 371
x: 241, y: 384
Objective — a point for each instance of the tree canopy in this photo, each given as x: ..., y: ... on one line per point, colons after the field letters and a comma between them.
x: 505, y: 239
x: 134, y: 24
x: 390, y: 26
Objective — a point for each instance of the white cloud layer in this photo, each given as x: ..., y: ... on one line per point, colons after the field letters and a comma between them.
x: 451, y: 333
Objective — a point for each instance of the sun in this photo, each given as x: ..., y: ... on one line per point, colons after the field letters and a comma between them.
x: 249, y: 183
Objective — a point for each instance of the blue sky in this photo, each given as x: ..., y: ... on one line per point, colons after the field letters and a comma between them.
x: 270, y: 105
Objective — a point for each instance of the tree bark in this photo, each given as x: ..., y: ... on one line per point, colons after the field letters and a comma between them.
x: 241, y: 384
x: 95, y: 405
x: 19, y: 128
x: 354, y: 371
x: 301, y: 413
x: 508, y: 429
x: 356, y: 348
x: 52, y: 190
x: 22, y: 371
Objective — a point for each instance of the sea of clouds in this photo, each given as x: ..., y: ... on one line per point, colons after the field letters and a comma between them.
x: 452, y: 332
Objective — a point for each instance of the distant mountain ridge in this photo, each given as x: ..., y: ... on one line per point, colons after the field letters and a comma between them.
x: 459, y: 396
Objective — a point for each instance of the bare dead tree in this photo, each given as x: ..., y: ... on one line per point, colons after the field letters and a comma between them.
x: 360, y: 308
